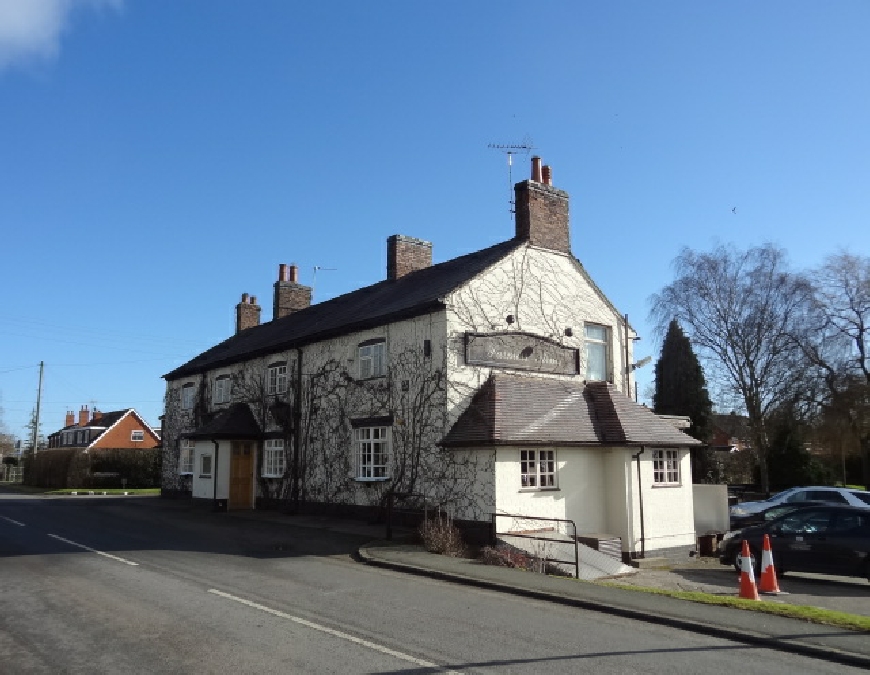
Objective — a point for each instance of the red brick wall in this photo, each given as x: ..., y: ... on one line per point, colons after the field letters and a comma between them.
x: 119, y: 435
x: 406, y: 255
x: 542, y: 216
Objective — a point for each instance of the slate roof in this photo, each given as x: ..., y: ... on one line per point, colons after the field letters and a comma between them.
x: 517, y: 410
x: 414, y: 294
x: 108, y: 418
x: 236, y: 422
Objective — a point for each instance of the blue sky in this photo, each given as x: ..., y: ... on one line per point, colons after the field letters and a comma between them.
x: 159, y: 158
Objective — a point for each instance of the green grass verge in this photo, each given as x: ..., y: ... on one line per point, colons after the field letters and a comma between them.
x: 107, y: 491
x: 802, y: 612
x: 31, y: 490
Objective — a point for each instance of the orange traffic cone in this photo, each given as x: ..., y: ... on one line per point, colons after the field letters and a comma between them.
x: 747, y: 575
x: 767, y: 579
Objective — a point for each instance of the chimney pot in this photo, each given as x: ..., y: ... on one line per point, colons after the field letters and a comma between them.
x: 547, y: 174
x: 282, y: 272
x: 289, y: 296
x: 247, y: 313
x: 542, y: 211
x: 536, y: 169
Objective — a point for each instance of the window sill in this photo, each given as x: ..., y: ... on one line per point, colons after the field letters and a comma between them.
x: 205, y: 476
x: 371, y: 480
x: 667, y: 485
x: 185, y: 473
x: 272, y: 475
x: 371, y: 378
x: 540, y: 489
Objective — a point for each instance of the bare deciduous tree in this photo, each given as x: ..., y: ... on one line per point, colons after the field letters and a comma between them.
x: 740, y: 309
x: 834, y: 339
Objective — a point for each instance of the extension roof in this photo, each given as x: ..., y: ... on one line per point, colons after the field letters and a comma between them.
x: 522, y: 410
x: 414, y: 294
x: 236, y: 422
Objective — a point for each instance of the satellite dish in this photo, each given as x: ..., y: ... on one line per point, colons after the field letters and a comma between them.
x: 641, y: 363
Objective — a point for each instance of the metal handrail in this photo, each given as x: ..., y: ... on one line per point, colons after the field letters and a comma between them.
x: 575, y: 562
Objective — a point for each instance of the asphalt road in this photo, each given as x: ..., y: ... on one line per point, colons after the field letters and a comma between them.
x: 146, y: 585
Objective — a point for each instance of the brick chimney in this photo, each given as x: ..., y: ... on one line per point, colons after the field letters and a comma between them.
x: 70, y: 418
x: 542, y: 210
x: 290, y: 295
x: 406, y: 255
x: 247, y: 313
x: 84, y: 416
x: 97, y: 416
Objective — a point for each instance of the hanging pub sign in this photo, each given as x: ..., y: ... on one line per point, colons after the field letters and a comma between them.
x: 520, y: 351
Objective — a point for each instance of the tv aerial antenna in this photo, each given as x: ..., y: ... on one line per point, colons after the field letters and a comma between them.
x: 510, y: 150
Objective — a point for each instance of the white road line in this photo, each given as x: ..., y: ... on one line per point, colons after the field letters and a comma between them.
x: 14, y: 522
x: 93, y: 550
x: 330, y: 631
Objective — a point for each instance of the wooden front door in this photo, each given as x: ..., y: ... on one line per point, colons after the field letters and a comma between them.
x: 241, y: 475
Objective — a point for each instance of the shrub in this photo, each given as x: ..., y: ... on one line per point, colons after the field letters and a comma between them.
x: 505, y: 555
x: 440, y: 535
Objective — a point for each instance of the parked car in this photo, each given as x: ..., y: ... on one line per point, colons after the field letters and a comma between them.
x: 846, y: 496
x: 827, y: 539
x: 770, y: 513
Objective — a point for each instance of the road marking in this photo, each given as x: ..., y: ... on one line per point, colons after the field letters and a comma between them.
x: 330, y: 631
x: 93, y: 550
x: 14, y: 522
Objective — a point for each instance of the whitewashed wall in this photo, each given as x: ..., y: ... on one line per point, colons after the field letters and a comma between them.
x: 669, y: 520
x: 546, y: 292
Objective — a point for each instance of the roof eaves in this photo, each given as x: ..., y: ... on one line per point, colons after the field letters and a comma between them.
x: 346, y: 329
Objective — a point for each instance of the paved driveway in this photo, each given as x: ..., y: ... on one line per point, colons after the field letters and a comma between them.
x: 845, y: 594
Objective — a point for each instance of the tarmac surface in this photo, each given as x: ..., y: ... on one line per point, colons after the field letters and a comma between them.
x: 707, y: 575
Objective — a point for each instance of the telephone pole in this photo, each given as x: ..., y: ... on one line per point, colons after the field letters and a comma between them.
x: 35, y: 438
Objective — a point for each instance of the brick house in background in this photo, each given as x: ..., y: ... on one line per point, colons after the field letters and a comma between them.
x: 120, y: 429
x: 496, y: 382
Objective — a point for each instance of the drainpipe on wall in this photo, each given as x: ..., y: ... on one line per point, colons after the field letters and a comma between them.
x: 626, y: 366
x: 297, y: 432
x: 640, y: 497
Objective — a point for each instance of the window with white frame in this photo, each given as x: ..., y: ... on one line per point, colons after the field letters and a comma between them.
x: 666, y: 467
x: 222, y: 386
x: 371, y: 360
x: 205, y: 466
x: 597, y: 353
x: 274, y: 459
x: 372, y: 445
x: 188, y: 394
x: 538, y: 468
x: 185, y: 463
x: 137, y: 435
x: 276, y: 378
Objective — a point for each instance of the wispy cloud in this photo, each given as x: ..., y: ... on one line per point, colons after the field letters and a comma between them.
x: 31, y: 29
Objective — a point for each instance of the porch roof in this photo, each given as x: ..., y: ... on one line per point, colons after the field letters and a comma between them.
x: 236, y: 422
x: 523, y: 410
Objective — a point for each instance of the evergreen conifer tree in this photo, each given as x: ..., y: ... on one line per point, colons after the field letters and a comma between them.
x: 680, y: 389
